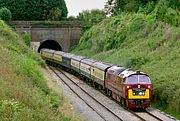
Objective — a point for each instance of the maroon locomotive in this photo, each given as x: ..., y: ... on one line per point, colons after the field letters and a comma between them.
x: 131, y: 88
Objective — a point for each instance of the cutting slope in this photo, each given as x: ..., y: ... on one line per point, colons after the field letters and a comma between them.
x: 24, y: 94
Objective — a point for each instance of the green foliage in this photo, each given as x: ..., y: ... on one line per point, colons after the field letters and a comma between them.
x: 137, y: 62
x: 26, y: 38
x: 148, y: 8
x: 91, y: 17
x: 164, y: 10
x: 71, y: 18
x: 55, y: 14
x: 142, y: 42
x: 29, y: 67
x: 55, y: 103
x: 5, y: 14
x: 94, y: 15
x: 35, y: 9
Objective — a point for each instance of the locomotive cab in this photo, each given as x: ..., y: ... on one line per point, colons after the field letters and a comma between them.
x: 138, y: 90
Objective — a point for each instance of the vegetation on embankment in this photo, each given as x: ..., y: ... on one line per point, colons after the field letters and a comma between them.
x: 143, y: 42
x: 24, y: 94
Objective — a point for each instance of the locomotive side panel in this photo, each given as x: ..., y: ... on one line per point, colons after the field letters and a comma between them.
x: 115, y: 84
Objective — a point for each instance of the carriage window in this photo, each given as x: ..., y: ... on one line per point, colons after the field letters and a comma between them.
x: 140, y: 79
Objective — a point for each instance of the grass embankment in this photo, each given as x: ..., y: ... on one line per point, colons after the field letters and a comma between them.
x: 141, y: 42
x: 24, y: 94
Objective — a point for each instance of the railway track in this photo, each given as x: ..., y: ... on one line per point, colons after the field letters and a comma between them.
x: 144, y: 116
x: 147, y: 116
x: 73, y: 90
x: 159, y: 119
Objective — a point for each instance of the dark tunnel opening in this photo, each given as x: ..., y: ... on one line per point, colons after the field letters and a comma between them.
x: 50, y: 44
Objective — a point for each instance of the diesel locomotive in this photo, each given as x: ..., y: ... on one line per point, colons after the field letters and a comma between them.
x: 129, y: 87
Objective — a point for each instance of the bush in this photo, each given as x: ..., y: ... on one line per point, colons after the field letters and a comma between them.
x: 172, y: 17
x: 26, y: 38
x: 137, y: 62
x: 5, y: 14
x: 164, y: 12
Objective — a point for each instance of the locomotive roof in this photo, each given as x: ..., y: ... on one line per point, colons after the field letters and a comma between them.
x: 129, y: 72
x: 101, y: 65
x: 116, y: 69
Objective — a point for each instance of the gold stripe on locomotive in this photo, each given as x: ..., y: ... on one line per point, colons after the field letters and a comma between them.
x: 131, y: 96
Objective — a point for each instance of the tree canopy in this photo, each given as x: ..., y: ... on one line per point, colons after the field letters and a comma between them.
x: 114, y: 7
x: 36, y: 9
x: 5, y: 14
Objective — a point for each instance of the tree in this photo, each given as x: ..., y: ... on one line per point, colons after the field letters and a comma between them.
x: 114, y: 7
x: 93, y: 16
x: 55, y: 14
x: 5, y: 14
x: 34, y: 9
x: 90, y: 18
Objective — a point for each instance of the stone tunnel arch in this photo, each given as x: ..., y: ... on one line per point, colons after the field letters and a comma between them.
x: 50, y: 44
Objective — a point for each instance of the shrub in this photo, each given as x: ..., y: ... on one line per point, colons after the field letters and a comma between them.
x: 5, y: 14
x: 172, y: 17
x: 148, y: 8
x: 26, y: 38
x: 137, y: 62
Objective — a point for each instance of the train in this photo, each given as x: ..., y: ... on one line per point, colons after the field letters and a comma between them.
x: 129, y: 87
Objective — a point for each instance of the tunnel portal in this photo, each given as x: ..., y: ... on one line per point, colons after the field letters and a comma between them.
x: 50, y: 44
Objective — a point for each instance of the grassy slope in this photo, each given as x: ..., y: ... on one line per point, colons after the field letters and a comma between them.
x: 25, y: 95
x: 141, y: 42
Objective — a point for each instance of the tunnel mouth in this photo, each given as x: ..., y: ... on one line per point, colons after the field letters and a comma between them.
x: 50, y: 44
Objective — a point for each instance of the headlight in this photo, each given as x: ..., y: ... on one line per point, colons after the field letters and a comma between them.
x: 141, y: 93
